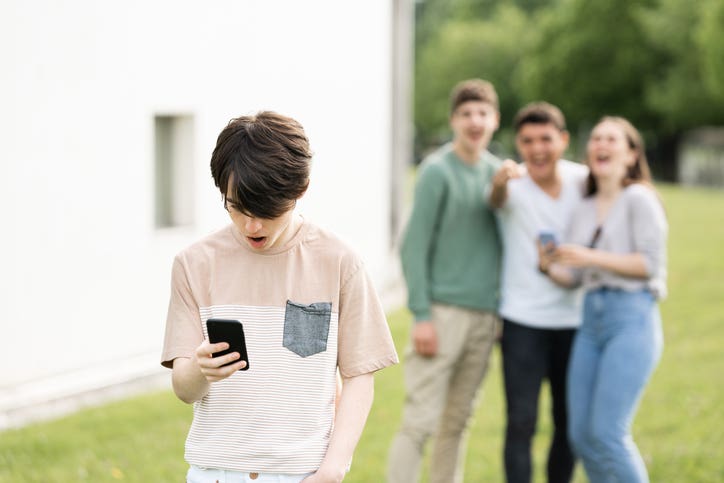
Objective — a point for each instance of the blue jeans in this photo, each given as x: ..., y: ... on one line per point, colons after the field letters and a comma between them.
x: 614, y: 353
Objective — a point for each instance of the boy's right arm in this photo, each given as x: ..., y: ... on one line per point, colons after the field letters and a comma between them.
x: 499, y: 193
x: 354, y: 406
x: 192, y: 376
x: 418, y: 240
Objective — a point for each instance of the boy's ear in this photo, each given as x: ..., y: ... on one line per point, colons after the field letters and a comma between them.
x: 566, y: 136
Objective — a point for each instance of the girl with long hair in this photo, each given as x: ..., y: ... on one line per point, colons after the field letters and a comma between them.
x: 617, y: 250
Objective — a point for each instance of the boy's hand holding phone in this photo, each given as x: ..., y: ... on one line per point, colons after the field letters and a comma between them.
x: 225, y: 351
x: 547, y: 240
x: 217, y: 368
x: 546, y: 248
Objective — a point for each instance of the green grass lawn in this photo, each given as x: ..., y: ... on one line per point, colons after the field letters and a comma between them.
x: 679, y: 427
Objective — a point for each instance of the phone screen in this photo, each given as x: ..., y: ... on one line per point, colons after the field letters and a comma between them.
x: 231, y: 332
x: 546, y: 238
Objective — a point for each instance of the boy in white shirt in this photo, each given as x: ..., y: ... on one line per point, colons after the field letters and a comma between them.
x: 539, y: 317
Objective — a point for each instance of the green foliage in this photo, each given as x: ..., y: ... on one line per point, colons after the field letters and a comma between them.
x: 710, y: 42
x: 688, y: 35
x: 677, y: 427
x: 464, y: 49
x: 657, y: 62
x: 590, y: 59
x: 429, y: 16
x: 481, y: 9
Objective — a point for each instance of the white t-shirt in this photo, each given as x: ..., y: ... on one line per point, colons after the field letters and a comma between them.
x: 527, y: 296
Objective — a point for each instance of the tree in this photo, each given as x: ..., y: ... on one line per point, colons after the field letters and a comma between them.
x: 464, y: 49
x: 591, y: 59
x: 657, y: 62
x: 710, y: 41
x: 691, y: 74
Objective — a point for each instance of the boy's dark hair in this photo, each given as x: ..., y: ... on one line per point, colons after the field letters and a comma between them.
x: 473, y: 90
x: 539, y: 113
x: 267, y: 159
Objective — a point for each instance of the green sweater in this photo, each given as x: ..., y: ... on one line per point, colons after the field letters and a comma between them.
x: 451, y: 250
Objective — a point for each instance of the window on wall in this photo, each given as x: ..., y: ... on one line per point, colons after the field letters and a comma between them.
x: 174, y: 198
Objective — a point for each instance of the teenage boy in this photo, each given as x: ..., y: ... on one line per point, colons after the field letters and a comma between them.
x: 539, y: 317
x: 450, y: 258
x: 308, y: 310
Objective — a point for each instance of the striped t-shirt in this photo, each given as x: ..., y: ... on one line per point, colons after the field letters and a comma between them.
x: 277, y: 416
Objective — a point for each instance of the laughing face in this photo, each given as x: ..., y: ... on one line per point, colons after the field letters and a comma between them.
x: 609, y: 153
x: 473, y: 124
x: 541, y: 146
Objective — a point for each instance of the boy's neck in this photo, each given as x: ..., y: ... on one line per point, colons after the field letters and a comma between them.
x: 468, y: 156
x: 551, y: 185
x: 291, y: 230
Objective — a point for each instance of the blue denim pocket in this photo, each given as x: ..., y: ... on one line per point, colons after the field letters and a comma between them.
x: 306, y: 327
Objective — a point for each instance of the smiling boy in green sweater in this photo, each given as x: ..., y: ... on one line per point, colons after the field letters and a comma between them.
x: 451, y: 262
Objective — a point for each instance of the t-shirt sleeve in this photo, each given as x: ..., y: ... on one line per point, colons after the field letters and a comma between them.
x: 364, y: 341
x: 183, y: 322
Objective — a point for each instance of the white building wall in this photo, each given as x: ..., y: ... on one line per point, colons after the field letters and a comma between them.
x: 85, y: 274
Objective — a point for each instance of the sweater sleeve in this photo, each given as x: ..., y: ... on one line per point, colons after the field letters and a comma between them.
x: 578, y: 232
x: 649, y: 229
x: 419, y: 238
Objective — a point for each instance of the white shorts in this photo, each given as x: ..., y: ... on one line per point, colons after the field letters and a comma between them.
x: 196, y: 474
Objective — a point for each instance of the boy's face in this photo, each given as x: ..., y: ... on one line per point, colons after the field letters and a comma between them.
x: 473, y: 124
x: 541, y: 146
x: 261, y: 234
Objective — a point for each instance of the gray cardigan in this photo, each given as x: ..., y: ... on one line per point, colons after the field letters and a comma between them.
x: 636, y: 223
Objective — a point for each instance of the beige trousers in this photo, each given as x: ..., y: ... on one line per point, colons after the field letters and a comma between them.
x: 441, y: 392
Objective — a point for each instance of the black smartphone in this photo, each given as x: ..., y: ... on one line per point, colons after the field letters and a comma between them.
x: 231, y: 332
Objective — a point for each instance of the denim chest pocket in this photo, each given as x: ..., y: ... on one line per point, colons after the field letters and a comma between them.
x: 306, y: 327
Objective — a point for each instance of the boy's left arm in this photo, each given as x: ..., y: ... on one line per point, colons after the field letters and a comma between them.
x: 352, y: 410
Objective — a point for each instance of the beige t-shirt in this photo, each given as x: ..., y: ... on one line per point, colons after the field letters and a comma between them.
x: 312, y: 297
